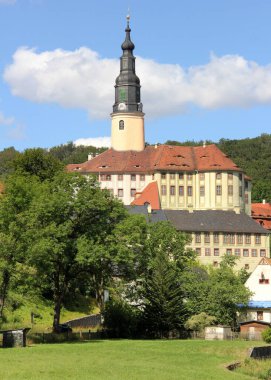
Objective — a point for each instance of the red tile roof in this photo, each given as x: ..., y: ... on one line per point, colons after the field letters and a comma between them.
x: 162, y: 157
x: 261, y: 212
x: 149, y: 194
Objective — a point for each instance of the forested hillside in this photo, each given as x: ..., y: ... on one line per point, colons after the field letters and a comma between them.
x: 253, y: 155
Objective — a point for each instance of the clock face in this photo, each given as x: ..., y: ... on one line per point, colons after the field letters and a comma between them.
x: 122, y: 107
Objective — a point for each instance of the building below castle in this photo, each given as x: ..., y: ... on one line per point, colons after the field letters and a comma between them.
x: 199, y: 189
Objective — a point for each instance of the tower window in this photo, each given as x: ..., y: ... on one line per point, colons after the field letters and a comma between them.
x: 121, y: 125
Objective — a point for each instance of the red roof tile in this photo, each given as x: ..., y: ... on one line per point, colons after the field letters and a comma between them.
x: 162, y: 157
x: 261, y: 212
x: 261, y: 209
x: 149, y: 194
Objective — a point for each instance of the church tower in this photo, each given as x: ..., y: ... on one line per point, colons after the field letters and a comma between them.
x: 127, y: 131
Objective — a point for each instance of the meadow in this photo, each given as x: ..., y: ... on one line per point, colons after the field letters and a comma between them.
x: 126, y: 360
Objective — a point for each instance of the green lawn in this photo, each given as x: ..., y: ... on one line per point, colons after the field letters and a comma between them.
x: 125, y: 359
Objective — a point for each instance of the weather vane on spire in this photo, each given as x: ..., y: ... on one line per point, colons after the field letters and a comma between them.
x: 128, y: 18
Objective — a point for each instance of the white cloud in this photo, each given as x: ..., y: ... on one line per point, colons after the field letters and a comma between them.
x: 94, y: 141
x: 7, y: 2
x: 82, y: 79
x: 6, y: 120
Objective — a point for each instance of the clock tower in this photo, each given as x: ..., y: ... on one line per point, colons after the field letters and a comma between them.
x: 127, y: 131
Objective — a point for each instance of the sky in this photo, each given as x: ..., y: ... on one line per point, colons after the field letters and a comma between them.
x: 204, y: 67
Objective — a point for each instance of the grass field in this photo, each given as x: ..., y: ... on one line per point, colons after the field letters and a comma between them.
x: 125, y: 360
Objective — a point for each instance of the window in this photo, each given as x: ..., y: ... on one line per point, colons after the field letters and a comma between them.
x: 254, y: 253
x: 259, y: 315
x: 202, y: 176
x: 240, y: 176
x: 142, y: 177
x: 229, y: 239
x: 133, y: 177
x: 262, y: 252
x: 163, y: 175
x: 246, y: 185
x: 247, y: 238
x: 198, y: 251
x: 172, y: 190
x: 189, y: 176
x: 216, y: 252
x: 108, y: 177
x: 172, y: 175
x: 133, y: 191
x: 207, y: 252
x: 257, y: 239
x: 229, y: 251
x: 181, y: 191
x: 181, y: 176
x: 198, y: 237
x: 230, y: 190
x: 218, y: 175
x: 163, y: 190
x: 245, y: 253
x: 218, y: 190
x: 102, y: 177
x: 120, y: 193
x: 230, y: 176
x: 189, y: 191
x: 240, y: 191
x: 120, y: 177
x: 121, y: 125
x: 239, y: 238
x: 216, y: 237
x: 206, y: 237
x: 202, y: 191
x: 237, y: 252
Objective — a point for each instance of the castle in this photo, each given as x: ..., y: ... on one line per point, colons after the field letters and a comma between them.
x: 199, y: 189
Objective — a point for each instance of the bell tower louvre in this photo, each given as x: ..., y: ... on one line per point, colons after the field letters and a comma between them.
x: 127, y: 130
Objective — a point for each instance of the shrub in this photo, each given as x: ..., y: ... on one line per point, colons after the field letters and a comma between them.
x: 266, y: 335
x: 120, y: 319
x: 199, y: 322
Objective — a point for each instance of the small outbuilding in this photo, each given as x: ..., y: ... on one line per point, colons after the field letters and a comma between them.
x: 14, y: 338
x: 218, y: 333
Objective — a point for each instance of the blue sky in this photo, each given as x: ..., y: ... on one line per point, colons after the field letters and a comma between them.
x: 204, y: 65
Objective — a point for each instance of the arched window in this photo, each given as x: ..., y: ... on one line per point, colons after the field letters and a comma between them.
x: 121, y: 125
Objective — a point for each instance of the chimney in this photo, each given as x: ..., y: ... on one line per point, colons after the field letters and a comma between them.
x: 264, y: 201
x: 91, y: 156
x: 204, y: 144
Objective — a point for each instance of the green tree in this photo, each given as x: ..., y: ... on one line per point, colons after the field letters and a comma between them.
x: 14, y: 205
x: 216, y: 291
x: 70, y: 221
x: 163, y: 298
x: 162, y: 293
x: 39, y: 163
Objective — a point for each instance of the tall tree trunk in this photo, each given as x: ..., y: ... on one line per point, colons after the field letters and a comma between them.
x: 57, y: 310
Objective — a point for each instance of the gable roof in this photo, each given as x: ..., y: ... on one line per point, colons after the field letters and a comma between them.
x: 158, y: 158
x: 149, y: 194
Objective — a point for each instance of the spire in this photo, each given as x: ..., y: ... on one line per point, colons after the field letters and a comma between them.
x: 127, y: 87
x: 128, y: 44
